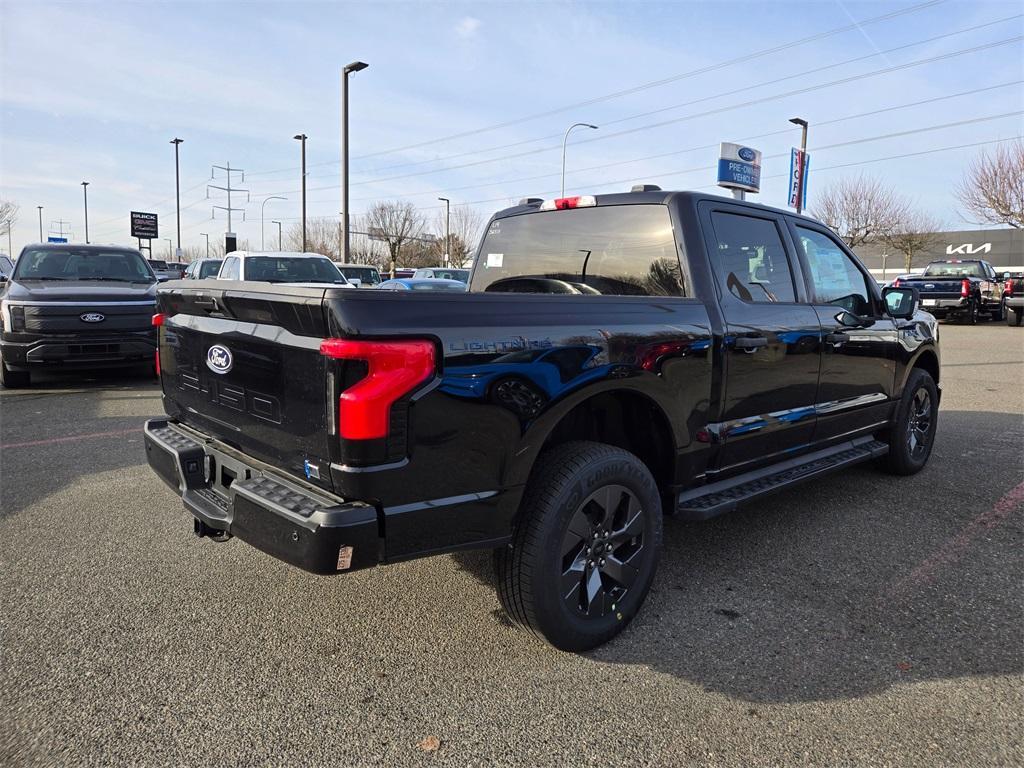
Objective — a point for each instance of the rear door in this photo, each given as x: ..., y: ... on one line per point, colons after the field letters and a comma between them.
x: 244, y: 366
x: 858, y: 363
x: 772, y: 340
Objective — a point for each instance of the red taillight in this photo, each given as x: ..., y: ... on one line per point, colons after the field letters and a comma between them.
x: 564, y: 203
x: 965, y: 288
x: 158, y: 319
x: 1008, y: 290
x: 394, y: 369
x: 896, y: 283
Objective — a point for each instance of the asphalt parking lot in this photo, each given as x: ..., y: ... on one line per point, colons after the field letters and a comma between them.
x: 864, y: 619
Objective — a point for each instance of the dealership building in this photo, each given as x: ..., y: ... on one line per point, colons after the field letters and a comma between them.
x: 1002, y: 248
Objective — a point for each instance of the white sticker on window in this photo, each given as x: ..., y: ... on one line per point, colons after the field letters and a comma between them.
x: 495, y: 260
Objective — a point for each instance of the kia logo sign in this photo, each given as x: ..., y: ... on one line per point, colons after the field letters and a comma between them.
x: 92, y: 317
x: 746, y: 153
x: 219, y: 359
x: 968, y: 249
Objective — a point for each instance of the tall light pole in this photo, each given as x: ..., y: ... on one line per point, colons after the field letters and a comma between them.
x: 355, y: 66
x: 263, y: 207
x: 278, y: 234
x: 302, y: 138
x: 447, y: 231
x: 207, y: 243
x: 803, y: 162
x: 40, y: 222
x: 85, y: 195
x: 177, y: 189
x: 564, y: 140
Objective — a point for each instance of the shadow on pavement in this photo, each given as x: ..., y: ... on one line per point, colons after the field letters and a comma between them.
x: 849, y: 584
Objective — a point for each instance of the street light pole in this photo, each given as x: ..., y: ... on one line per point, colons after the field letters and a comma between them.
x: 207, y: 243
x: 447, y: 231
x: 85, y: 196
x: 302, y: 138
x: 803, y: 162
x: 355, y: 66
x: 177, y: 187
x: 564, y: 140
x: 263, y: 207
x: 40, y: 222
x: 278, y: 234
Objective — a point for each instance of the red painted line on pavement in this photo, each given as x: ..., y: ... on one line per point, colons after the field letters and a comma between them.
x: 71, y: 438
x: 953, y: 549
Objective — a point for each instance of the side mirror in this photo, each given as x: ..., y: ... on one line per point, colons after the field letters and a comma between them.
x: 901, y: 303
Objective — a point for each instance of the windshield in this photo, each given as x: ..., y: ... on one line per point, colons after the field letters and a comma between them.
x: 618, y: 250
x: 289, y: 269
x: 462, y: 275
x: 368, y: 275
x: 209, y: 268
x: 955, y: 269
x: 6, y: 265
x: 82, y: 264
x: 433, y: 285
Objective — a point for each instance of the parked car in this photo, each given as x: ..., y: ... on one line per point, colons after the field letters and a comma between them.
x: 281, y: 267
x: 200, y: 269
x: 1013, y: 297
x: 163, y: 270
x: 965, y: 289
x: 445, y: 273
x: 360, y: 275
x: 6, y: 266
x: 76, y: 306
x: 723, y: 350
x: 422, y: 284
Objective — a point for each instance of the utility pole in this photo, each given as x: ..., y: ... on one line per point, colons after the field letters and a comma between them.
x: 565, y: 139
x: 207, y: 243
x: 278, y: 234
x: 60, y: 228
x: 803, y: 162
x: 230, y: 242
x: 301, y: 137
x: 447, y: 232
x: 40, y: 222
x: 85, y: 196
x: 355, y: 66
x: 177, y: 189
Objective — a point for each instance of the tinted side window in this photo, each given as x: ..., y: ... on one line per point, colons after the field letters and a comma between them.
x: 751, y: 261
x: 836, y: 279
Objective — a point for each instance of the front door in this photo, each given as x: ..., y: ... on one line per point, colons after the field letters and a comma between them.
x: 858, y: 364
x: 772, y: 338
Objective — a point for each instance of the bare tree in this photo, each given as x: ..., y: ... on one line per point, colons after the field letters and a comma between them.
x: 862, y: 210
x: 915, y: 233
x: 396, y: 224
x: 993, y: 188
x: 466, y: 226
x: 8, y: 215
x: 323, y: 236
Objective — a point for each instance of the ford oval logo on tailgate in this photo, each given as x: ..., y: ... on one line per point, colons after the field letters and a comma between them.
x: 92, y: 317
x: 218, y: 359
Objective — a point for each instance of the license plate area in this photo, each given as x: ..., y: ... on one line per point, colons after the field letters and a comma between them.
x: 223, y: 470
x: 929, y: 302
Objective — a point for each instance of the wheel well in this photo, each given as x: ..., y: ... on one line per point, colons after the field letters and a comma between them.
x: 929, y: 362
x: 625, y: 420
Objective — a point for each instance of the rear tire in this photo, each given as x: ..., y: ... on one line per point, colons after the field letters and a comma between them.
x: 999, y: 313
x: 14, y: 379
x: 1014, y: 316
x: 912, y: 433
x: 972, y: 313
x: 586, y: 547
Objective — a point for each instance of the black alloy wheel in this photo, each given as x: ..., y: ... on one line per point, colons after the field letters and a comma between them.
x: 919, y: 425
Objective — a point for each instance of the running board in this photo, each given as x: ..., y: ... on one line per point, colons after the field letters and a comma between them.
x: 713, y: 499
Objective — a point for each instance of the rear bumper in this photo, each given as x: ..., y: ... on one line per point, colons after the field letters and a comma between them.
x: 1015, y: 303
x: 25, y: 352
x: 228, y: 492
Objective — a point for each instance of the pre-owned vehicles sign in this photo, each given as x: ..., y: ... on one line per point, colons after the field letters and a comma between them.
x: 739, y: 167
x: 144, y: 225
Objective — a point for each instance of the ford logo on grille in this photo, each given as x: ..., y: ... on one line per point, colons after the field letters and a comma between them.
x: 92, y: 317
x: 219, y: 359
x: 746, y: 153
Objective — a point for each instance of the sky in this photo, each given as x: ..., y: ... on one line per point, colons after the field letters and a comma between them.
x: 470, y: 101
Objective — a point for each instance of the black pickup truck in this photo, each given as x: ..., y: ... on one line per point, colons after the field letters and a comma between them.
x: 616, y: 358
x: 75, y: 306
x: 966, y: 289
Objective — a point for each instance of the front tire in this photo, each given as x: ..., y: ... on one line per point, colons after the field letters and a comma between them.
x: 912, y: 433
x: 586, y: 547
x: 14, y: 379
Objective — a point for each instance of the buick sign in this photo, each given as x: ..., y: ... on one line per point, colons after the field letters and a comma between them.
x: 218, y: 359
x: 92, y: 317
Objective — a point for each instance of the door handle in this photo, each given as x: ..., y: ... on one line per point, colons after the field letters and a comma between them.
x: 750, y: 343
x: 837, y: 338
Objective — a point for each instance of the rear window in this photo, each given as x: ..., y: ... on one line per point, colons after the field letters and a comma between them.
x: 621, y: 250
x: 955, y: 269
x: 82, y: 264
x: 285, y: 269
x: 433, y: 285
x: 367, y: 275
x: 157, y: 264
x: 209, y: 269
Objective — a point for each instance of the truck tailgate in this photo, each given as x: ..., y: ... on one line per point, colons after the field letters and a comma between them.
x: 241, y: 362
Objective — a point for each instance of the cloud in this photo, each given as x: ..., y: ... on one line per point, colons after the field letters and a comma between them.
x: 467, y: 27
